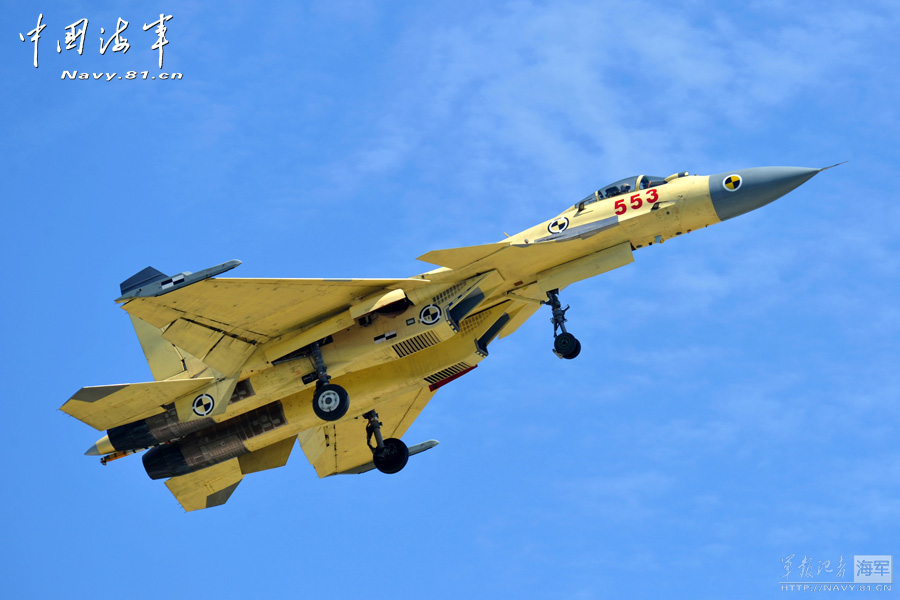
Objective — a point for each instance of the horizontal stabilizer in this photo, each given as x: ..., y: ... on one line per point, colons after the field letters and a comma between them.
x: 107, y: 406
x: 214, y: 485
x: 208, y: 487
x: 457, y: 258
x: 269, y: 457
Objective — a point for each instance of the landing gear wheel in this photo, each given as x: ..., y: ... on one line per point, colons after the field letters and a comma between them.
x: 330, y: 402
x: 391, y: 457
x: 566, y: 346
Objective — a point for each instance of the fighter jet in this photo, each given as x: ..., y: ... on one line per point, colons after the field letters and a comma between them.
x: 244, y: 367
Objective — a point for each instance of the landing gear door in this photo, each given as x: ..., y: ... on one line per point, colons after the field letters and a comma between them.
x: 473, y: 293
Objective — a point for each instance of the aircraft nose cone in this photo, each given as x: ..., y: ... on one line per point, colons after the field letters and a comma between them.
x: 734, y: 193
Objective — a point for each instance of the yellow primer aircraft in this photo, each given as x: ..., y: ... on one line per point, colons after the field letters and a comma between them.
x: 244, y: 367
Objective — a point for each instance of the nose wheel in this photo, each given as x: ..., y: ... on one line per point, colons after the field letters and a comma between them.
x: 389, y: 455
x: 330, y: 401
x: 565, y: 345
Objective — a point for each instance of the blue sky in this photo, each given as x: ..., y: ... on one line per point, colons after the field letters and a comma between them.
x: 735, y: 401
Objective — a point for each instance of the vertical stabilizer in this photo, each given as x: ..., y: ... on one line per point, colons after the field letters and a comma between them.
x: 164, y: 358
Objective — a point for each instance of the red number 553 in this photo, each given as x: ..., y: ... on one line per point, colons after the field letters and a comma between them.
x: 635, y: 201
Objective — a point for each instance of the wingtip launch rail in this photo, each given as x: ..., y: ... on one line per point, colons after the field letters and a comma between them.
x: 150, y: 282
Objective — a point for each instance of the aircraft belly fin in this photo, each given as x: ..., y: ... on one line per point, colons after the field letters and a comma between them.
x: 107, y: 406
x: 207, y: 487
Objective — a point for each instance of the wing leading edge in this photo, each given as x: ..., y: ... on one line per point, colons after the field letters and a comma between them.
x: 257, y: 310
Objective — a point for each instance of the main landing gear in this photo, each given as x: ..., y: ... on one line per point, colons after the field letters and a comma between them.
x: 330, y: 401
x: 565, y: 345
x: 389, y: 455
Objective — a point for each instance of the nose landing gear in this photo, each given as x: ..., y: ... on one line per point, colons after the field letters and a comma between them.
x: 565, y: 345
x: 390, y: 455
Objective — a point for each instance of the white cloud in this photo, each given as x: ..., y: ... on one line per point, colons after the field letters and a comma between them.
x: 578, y: 88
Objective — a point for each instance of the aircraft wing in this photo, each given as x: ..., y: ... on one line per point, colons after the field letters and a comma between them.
x: 220, y: 321
x: 341, y: 447
x: 258, y: 309
x: 214, y: 485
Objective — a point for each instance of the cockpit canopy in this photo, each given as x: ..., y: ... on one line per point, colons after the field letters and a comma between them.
x: 623, y: 186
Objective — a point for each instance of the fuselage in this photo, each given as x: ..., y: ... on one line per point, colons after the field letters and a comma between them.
x: 429, y: 334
